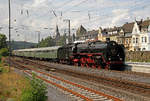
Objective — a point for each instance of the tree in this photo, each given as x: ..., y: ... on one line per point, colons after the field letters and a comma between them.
x: 61, y: 41
x: 36, y: 92
x: 47, y: 42
x: 3, y: 43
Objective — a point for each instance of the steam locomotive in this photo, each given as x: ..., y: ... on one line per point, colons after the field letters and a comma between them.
x: 108, y: 55
x: 97, y: 54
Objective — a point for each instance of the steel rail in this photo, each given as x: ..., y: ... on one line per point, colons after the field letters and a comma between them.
x: 74, y: 84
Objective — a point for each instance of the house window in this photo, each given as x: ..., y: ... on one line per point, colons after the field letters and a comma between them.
x: 121, y: 42
x: 129, y: 40
x: 137, y: 40
x: 133, y: 40
x: 126, y: 41
x: 135, y: 30
x: 145, y: 39
x: 149, y: 28
x: 142, y: 39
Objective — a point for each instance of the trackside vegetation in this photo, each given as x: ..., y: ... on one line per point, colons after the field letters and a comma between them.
x: 3, y: 53
x: 36, y: 92
x: 14, y: 87
x: 3, y: 46
x: 11, y: 84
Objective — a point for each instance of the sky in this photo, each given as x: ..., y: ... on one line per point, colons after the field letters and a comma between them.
x: 30, y: 17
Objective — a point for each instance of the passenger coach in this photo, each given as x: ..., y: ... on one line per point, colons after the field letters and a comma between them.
x: 48, y: 53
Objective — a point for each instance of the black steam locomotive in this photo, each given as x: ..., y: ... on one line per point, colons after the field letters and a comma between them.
x: 108, y: 55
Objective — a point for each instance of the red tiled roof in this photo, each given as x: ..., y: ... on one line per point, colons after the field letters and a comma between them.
x: 145, y: 23
x: 127, y: 28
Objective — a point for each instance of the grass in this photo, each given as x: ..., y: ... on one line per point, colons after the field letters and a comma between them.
x: 11, y: 84
x: 16, y: 87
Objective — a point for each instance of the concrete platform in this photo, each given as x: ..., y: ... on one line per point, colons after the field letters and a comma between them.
x: 138, y: 67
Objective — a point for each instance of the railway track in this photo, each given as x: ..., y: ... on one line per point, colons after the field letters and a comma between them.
x: 134, y: 87
x: 77, y: 91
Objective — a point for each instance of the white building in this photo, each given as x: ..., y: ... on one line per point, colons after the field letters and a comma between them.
x: 141, y: 35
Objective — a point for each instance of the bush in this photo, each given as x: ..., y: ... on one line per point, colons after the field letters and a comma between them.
x: 1, y: 69
x: 37, y: 91
x: 4, y: 70
x: 4, y: 52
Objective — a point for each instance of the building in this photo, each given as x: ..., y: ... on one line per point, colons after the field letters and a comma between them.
x: 91, y: 35
x: 102, y: 34
x: 111, y: 33
x: 125, y: 35
x: 57, y: 35
x: 141, y: 35
x: 81, y: 31
x: 135, y: 36
x: 82, y: 34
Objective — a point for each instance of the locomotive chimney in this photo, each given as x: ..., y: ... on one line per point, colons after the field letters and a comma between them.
x: 107, y: 39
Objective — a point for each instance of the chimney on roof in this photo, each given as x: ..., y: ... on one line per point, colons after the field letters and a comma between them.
x: 126, y: 22
x: 141, y: 20
x: 135, y: 19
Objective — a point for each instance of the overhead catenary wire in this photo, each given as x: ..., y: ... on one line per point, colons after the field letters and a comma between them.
x: 90, y: 13
x: 109, y: 15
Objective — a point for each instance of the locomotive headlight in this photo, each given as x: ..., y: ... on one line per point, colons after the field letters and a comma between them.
x: 109, y: 58
x: 120, y: 58
x: 98, y: 57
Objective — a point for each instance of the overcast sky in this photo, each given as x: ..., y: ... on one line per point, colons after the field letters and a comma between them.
x: 31, y: 16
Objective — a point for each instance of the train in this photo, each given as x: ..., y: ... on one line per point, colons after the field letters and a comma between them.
x: 96, y: 54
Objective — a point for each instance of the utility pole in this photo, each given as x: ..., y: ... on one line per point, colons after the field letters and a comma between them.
x: 69, y: 39
x: 38, y: 38
x: 9, y: 32
x: 69, y: 31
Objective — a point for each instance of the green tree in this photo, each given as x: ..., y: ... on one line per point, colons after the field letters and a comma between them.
x: 47, y: 42
x: 61, y: 41
x: 4, y: 52
x: 37, y: 91
x: 3, y: 43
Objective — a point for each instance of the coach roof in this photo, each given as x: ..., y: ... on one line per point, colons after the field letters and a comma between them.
x: 40, y: 49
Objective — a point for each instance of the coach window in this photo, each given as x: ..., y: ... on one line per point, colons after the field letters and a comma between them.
x: 46, y: 51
